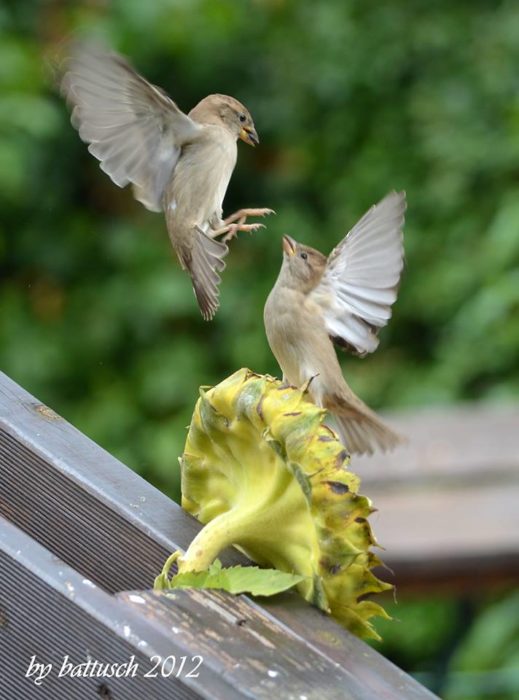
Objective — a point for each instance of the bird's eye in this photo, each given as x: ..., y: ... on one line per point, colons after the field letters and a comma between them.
x: 304, y: 256
x: 242, y: 118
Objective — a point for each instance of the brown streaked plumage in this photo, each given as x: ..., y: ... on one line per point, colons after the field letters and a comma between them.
x: 345, y: 298
x: 177, y: 163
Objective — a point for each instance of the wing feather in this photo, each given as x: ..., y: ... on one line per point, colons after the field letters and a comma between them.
x: 360, y: 283
x: 132, y: 127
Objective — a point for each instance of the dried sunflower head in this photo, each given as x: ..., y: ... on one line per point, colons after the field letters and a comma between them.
x: 263, y: 473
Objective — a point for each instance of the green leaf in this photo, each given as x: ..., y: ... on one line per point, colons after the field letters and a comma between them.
x: 237, y: 579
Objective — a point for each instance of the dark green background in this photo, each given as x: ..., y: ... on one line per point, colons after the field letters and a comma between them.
x: 351, y: 99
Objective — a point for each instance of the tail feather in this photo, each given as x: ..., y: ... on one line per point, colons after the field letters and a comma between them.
x: 204, y: 261
x: 360, y: 428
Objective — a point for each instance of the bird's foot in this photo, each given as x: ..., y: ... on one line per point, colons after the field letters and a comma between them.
x: 230, y: 230
x: 244, y: 213
x: 234, y: 228
x: 236, y: 222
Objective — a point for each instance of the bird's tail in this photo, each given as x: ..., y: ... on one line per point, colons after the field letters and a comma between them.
x: 360, y: 429
x: 204, y: 262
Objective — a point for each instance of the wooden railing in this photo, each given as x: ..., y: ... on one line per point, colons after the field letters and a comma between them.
x: 81, y: 539
x: 448, y: 503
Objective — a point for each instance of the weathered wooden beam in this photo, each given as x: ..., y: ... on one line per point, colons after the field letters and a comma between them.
x: 52, y: 615
x: 76, y: 505
x: 54, y: 619
x: 453, y: 443
x: 447, y: 502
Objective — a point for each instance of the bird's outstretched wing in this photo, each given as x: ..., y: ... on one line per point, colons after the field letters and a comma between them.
x: 361, y: 279
x: 131, y: 126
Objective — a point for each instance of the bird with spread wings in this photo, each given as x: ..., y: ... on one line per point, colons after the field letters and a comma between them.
x: 343, y: 299
x: 178, y: 163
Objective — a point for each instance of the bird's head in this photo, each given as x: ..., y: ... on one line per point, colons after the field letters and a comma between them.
x: 222, y: 109
x: 302, y: 266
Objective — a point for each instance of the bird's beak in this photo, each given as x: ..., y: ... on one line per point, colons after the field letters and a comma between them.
x: 249, y: 135
x: 289, y: 245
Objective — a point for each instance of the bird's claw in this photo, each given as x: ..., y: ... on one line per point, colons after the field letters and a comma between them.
x: 236, y: 222
x: 264, y: 212
x: 232, y: 230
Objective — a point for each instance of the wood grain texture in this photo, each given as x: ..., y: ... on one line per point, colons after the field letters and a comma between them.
x: 51, y: 611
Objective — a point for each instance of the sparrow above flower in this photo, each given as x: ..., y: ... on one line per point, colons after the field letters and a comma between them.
x: 344, y: 299
x: 178, y: 163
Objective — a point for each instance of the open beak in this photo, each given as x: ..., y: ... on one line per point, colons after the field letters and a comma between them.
x: 289, y: 245
x: 249, y: 135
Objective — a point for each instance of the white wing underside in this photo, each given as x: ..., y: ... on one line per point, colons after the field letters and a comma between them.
x: 133, y: 128
x: 361, y: 280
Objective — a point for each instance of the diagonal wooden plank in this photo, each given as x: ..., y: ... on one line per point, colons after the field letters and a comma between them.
x: 249, y: 648
x: 52, y: 615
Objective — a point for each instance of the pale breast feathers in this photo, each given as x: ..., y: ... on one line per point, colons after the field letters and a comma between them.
x: 201, y: 190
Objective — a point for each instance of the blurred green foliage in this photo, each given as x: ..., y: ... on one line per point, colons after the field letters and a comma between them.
x: 464, y: 650
x: 487, y: 663
x: 351, y: 99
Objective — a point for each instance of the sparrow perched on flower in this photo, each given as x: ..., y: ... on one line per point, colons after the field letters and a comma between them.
x: 178, y: 163
x: 343, y: 299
